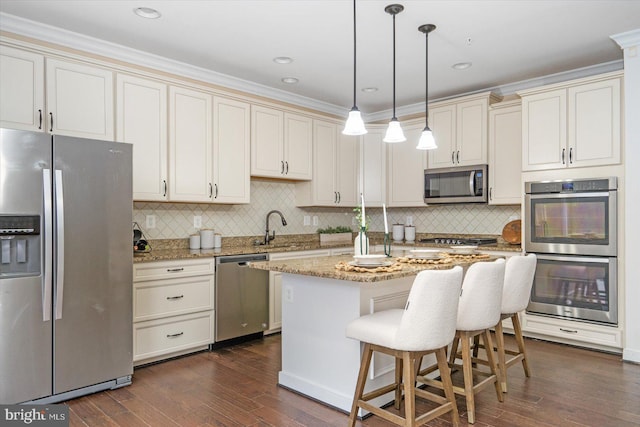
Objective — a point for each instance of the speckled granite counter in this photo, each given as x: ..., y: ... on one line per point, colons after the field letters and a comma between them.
x: 172, y: 249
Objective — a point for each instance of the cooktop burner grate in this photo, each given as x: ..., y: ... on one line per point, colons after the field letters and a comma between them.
x: 478, y: 241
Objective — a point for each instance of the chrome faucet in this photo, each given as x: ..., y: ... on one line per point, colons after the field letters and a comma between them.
x: 267, y: 237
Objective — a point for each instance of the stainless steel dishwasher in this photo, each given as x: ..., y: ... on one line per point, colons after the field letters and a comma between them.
x: 242, y: 297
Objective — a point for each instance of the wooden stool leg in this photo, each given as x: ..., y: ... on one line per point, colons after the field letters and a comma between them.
x: 454, y: 350
x: 488, y: 344
x: 517, y: 329
x: 362, y: 377
x: 398, y: 397
x: 501, y: 356
x: 409, y: 375
x: 468, y: 377
x: 441, y: 357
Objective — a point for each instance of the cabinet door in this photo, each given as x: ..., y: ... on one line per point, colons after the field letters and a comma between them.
x: 275, y: 300
x: 190, y: 147
x: 406, y: 167
x: 594, y: 123
x: 544, y: 130
x: 373, y: 168
x: 324, y: 159
x: 141, y: 120
x: 79, y: 100
x: 298, y: 147
x: 505, y: 152
x: 442, y: 121
x: 231, y: 151
x: 21, y: 90
x: 471, y: 133
x: 347, y: 155
x: 267, y: 142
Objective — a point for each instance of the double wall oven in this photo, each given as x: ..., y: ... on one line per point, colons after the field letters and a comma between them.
x: 571, y: 225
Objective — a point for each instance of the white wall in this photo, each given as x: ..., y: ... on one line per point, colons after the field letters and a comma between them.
x: 630, y: 42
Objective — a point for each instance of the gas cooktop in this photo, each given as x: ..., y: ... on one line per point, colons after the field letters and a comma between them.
x: 461, y: 241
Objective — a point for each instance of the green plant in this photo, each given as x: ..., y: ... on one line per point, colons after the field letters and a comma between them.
x: 334, y: 230
x: 359, y: 219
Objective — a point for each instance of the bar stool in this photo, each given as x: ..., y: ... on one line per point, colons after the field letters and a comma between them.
x: 426, y: 325
x: 518, y: 280
x: 478, y: 310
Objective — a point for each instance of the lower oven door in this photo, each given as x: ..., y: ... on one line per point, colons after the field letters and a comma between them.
x: 576, y: 287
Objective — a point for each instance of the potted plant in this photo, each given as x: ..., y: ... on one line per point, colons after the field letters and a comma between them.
x: 335, y: 235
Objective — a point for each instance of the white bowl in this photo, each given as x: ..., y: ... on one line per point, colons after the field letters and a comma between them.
x: 370, y: 259
x: 464, y: 249
x: 425, y: 253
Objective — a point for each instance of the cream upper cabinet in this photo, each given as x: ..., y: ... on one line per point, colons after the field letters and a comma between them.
x: 373, y: 167
x: 79, y: 100
x: 21, y: 90
x: 141, y: 120
x: 281, y: 144
x: 572, y: 124
x: 335, y: 169
x: 505, y: 150
x: 460, y: 129
x: 231, y: 151
x: 190, y: 145
x: 405, y: 168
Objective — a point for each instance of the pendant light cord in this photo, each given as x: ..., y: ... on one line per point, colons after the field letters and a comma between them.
x: 354, y: 53
x: 394, y: 68
x: 426, y: 81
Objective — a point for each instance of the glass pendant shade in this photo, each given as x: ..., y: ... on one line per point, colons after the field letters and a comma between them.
x: 394, y: 132
x: 354, y: 124
x: 427, y: 141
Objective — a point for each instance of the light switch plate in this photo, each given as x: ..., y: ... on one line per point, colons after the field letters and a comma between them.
x: 315, y: 220
x: 197, y: 221
x: 151, y: 221
x: 306, y: 220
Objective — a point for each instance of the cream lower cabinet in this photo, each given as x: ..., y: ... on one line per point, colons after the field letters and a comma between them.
x: 173, y: 308
x: 505, y: 150
x: 405, y: 169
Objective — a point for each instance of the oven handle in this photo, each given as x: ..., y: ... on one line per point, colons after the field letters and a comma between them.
x: 568, y: 195
x: 592, y: 260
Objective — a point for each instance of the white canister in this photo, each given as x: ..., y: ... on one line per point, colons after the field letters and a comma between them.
x: 194, y: 241
x: 398, y: 232
x: 217, y: 240
x: 206, y: 239
x: 410, y: 233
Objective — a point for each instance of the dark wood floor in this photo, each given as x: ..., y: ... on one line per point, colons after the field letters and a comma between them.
x: 236, y: 386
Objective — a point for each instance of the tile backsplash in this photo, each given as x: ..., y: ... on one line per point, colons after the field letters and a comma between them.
x: 175, y: 220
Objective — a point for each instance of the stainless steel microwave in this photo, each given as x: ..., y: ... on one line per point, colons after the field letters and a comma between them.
x: 463, y: 184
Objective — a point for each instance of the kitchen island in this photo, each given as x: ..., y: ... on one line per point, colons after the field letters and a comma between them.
x: 318, y: 301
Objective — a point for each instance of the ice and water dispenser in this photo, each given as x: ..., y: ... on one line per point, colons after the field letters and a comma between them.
x: 20, y: 245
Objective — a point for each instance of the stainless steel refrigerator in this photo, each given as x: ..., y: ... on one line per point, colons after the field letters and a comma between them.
x: 65, y: 266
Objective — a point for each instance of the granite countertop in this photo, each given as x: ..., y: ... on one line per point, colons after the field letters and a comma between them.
x: 174, y: 249
x: 325, y: 267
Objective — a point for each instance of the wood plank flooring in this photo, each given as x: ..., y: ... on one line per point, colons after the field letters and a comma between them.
x: 237, y: 386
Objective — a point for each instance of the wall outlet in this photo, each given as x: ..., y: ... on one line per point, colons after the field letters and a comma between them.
x: 197, y: 221
x: 306, y: 220
x: 409, y: 220
x: 315, y: 220
x: 288, y: 294
x: 151, y: 221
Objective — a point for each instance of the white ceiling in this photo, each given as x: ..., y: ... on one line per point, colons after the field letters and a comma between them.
x: 507, y: 41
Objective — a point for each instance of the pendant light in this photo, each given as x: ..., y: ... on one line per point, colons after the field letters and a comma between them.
x: 426, y: 142
x: 394, y: 131
x: 354, y: 124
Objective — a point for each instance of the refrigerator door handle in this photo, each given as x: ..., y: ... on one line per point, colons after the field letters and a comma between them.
x: 59, y: 243
x: 47, y: 281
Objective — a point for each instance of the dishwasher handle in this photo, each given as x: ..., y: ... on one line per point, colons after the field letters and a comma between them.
x: 241, y: 259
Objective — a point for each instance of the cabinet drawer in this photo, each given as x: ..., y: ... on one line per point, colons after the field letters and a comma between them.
x: 170, y: 297
x: 174, y: 334
x: 584, y: 332
x: 167, y: 269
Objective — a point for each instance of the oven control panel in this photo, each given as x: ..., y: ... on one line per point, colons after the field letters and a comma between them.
x: 572, y: 186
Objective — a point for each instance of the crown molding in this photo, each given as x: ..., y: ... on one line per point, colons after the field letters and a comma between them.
x: 627, y: 39
x: 51, y: 34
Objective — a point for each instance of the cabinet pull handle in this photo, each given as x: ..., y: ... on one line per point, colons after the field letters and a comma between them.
x: 174, y: 270
x: 286, y: 168
x: 458, y: 156
x: 51, y: 120
x: 569, y: 331
x: 490, y: 193
x: 571, y: 155
x: 39, y: 119
x: 210, y: 190
x: 453, y: 153
x: 176, y: 297
x: 175, y: 335
x: 339, y: 197
x: 164, y: 186
x: 281, y: 167
x: 216, y: 196
x: 563, y: 156
x: 335, y: 197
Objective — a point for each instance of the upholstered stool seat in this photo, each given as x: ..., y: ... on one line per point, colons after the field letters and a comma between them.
x: 426, y: 325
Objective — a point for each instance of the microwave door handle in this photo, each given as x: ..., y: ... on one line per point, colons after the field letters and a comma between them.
x: 472, y: 187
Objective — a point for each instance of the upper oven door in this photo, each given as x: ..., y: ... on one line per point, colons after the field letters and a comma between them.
x: 576, y: 223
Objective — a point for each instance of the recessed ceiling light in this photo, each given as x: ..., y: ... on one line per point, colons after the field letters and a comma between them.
x: 282, y: 60
x: 289, y: 80
x: 147, y: 12
x: 369, y: 89
x: 461, y: 65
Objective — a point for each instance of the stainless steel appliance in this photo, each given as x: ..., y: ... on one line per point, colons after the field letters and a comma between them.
x: 242, y: 297
x: 572, y: 226
x: 65, y: 268
x: 464, y: 184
